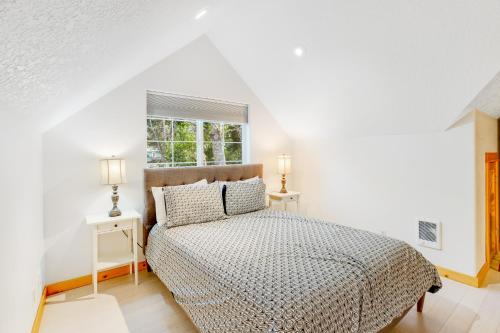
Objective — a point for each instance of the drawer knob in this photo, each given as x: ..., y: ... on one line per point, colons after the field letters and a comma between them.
x: 116, y: 225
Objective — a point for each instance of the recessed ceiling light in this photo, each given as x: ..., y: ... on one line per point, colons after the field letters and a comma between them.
x: 200, y: 14
x: 299, y: 51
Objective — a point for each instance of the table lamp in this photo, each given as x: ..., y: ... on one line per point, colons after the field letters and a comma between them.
x: 113, y: 173
x: 284, y: 168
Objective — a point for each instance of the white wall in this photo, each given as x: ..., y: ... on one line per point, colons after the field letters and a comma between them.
x: 384, y: 183
x: 486, y: 142
x: 21, y: 237
x: 115, y: 124
x: 368, y: 103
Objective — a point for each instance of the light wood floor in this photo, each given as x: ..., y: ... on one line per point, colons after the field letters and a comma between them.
x: 150, y: 308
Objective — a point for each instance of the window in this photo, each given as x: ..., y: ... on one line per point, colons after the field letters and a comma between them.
x: 222, y: 143
x: 183, y: 142
x: 189, y: 131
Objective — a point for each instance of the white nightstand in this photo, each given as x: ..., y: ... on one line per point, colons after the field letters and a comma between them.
x: 285, y: 198
x: 103, y: 224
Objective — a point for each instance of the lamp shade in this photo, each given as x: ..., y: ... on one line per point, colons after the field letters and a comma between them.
x: 284, y: 164
x: 113, y: 171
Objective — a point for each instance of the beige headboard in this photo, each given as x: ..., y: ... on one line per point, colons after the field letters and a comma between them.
x: 187, y: 175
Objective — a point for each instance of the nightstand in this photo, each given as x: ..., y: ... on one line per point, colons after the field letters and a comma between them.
x: 103, y: 224
x: 285, y: 198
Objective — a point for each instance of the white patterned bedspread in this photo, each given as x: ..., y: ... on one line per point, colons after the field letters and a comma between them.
x: 275, y: 271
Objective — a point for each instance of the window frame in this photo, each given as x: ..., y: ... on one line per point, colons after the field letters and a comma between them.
x: 200, y: 154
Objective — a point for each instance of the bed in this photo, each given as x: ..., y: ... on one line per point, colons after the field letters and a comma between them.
x: 276, y: 271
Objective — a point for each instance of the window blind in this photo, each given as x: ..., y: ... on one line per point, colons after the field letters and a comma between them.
x: 188, y: 107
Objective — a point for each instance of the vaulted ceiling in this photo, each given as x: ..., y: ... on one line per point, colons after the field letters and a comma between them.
x: 369, y: 67
x: 57, y: 56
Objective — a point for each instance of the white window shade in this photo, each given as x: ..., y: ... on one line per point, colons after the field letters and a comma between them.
x: 187, y: 107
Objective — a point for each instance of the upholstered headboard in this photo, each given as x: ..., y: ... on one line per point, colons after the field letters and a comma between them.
x: 187, y: 175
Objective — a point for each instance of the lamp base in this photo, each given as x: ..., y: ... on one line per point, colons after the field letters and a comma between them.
x: 283, y: 184
x: 115, y: 211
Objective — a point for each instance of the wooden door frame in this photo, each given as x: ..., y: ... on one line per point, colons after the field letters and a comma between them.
x: 489, y: 157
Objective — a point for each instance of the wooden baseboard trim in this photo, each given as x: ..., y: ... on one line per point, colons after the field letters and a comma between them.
x: 481, y: 276
x: 475, y: 281
x: 39, y: 312
x: 81, y: 281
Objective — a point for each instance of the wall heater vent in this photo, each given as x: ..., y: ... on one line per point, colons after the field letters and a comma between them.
x: 429, y: 233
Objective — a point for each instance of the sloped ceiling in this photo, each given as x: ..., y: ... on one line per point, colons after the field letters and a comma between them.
x: 488, y: 99
x: 370, y: 67
x: 57, y: 56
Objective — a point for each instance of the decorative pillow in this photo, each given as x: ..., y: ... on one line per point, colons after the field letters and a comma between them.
x: 244, y: 197
x: 223, y: 183
x: 161, y: 212
x: 188, y: 204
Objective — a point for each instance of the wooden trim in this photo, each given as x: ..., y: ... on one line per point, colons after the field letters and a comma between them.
x: 475, y: 281
x: 39, y: 312
x: 81, y: 281
x: 61, y: 286
x: 488, y: 159
x: 481, y: 276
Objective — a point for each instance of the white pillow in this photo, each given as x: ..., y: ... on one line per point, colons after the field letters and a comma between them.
x: 160, y: 207
x: 249, y: 180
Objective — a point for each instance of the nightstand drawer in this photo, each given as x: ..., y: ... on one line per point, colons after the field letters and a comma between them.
x: 113, y: 226
x: 290, y: 198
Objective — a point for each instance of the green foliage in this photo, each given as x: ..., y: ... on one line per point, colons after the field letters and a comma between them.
x: 159, y: 130
x: 159, y: 152
x: 173, y: 143
x: 208, y: 150
x: 212, y: 132
x: 184, y: 131
x: 185, y: 152
x: 233, y: 152
x: 232, y: 133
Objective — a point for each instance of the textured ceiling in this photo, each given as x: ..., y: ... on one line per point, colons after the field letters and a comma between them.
x: 56, y: 56
x: 370, y: 67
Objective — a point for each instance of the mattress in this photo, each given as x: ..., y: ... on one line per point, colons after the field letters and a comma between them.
x: 275, y: 271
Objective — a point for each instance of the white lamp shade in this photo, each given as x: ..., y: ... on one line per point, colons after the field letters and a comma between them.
x: 284, y: 164
x: 113, y: 172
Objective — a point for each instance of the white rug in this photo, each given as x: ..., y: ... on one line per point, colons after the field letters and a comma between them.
x: 87, y: 314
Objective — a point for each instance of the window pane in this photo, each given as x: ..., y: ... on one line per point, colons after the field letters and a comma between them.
x: 212, y: 132
x: 209, y: 152
x: 233, y: 152
x: 184, y: 131
x: 185, y: 152
x: 159, y: 152
x: 159, y: 130
x: 168, y: 130
x: 232, y: 133
x: 155, y: 129
x: 214, y: 153
x: 173, y: 143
